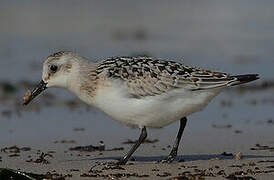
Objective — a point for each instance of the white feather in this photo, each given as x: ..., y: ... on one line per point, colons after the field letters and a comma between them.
x: 153, y: 111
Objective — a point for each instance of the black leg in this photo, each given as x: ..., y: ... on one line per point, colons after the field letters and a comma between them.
x: 172, y: 155
x: 141, y: 139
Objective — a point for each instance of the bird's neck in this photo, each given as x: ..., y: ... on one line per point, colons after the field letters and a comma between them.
x: 83, y: 82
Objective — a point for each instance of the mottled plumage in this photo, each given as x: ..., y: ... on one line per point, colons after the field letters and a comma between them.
x: 147, y: 76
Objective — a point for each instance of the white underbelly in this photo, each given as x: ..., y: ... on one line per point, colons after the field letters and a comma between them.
x: 153, y: 111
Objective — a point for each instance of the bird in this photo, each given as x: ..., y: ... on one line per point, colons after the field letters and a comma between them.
x: 141, y: 92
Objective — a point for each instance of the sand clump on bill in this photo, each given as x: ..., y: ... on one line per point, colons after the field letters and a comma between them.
x: 26, y: 96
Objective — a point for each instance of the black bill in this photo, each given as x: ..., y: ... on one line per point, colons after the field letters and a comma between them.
x: 35, y: 92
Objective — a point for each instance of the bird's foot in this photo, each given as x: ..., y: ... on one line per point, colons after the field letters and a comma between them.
x: 168, y: 159
x: 121, y: 162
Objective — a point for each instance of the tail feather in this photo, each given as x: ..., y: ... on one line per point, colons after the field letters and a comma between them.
x: 241, y: 79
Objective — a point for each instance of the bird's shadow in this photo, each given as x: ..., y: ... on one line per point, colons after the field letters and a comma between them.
x: 184, y: 158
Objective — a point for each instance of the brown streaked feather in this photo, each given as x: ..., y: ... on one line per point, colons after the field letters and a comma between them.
x: 89, y: 81
x: 67, y: 67
x: 59, y: 54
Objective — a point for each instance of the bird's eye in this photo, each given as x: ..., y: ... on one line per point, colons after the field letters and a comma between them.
x: 53, y: 68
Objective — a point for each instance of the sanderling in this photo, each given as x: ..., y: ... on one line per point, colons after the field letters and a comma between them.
x: 137, y: 91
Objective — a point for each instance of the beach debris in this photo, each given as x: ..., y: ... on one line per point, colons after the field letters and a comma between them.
x: 6, y: 173
x: 89, y: 175
x: 14, y: 155
x: 266, y: 161
x: 105, y: 166
x: 72, y: 104
x: 51, y: 152
x: 259, y: 147
x: 6, y: 113
x: 233, y: 177
x: 89, y: 148
x: 226, y: 103
x: 78, y: 129
x: 109, y: 166
x: 114, y: 175
x: 221, y: 172
x: 115, y: 149
x: 252, y: 102
x: 8, y: 88
x: 270, y: 121
x: 187, y: 177
x: 239, y: 156
x: 226, y: 154
x: 238, y: 132
x: 251, y: 164
x: 129, y: 141
x: 227, y: 126
x: 56, y: 176
x: 74, y: 170
x: 65, y: 142
x: 14, y: 149
x: 41, y: 159
x: 198, y: 174
x: 193, y: 166
x: 164, y: 174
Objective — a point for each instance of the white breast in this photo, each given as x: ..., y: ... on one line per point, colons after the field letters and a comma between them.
x: 152, y: 111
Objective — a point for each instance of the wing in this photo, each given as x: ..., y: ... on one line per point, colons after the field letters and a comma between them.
x: 146, y: 76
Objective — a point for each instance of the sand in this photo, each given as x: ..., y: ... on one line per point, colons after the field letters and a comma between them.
x: 55, y: 158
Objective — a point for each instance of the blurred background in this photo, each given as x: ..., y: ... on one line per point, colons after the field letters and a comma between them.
x: 231, y: 36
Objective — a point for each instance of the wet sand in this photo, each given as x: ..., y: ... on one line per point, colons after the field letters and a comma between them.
x: 197, y: 159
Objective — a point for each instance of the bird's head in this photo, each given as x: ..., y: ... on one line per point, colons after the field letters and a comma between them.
x: 56, y: 73
x: 57, y: 69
